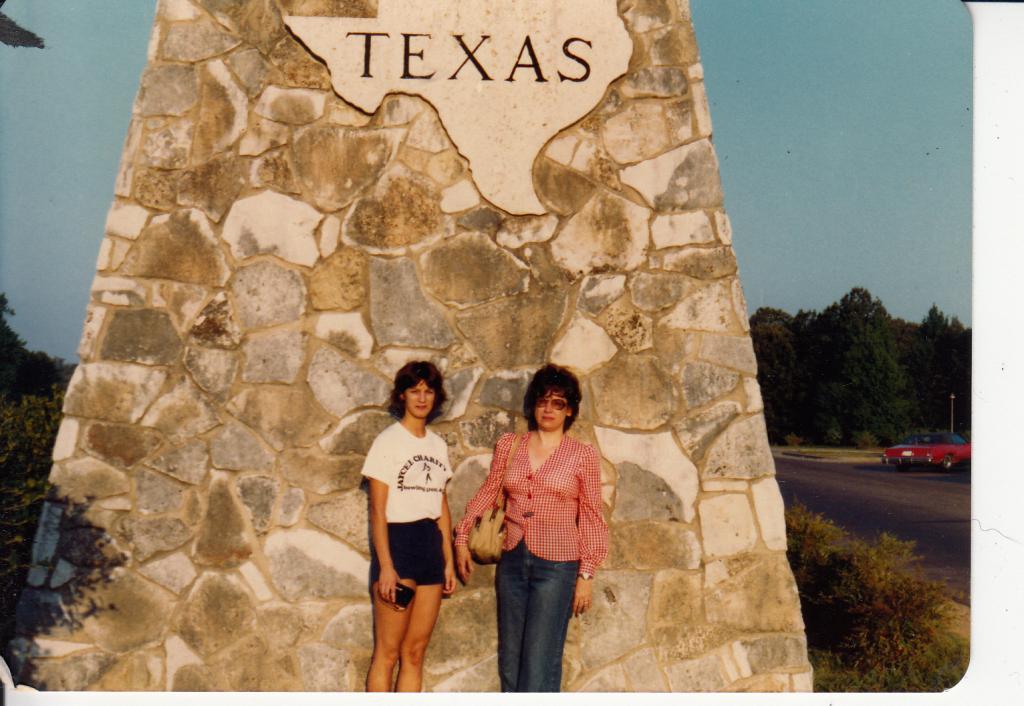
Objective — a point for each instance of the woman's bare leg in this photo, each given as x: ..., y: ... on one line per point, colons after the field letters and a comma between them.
x: 390, y: 628
x: 423, y: 615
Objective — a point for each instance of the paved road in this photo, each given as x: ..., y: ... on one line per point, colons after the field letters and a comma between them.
x: 931, y: 508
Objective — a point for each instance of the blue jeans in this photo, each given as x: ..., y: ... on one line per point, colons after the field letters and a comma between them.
x: 534, y: 607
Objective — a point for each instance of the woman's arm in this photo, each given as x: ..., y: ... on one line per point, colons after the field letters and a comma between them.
x: 479, y: 503
x: 445, y: 524
x: 379, y: 531
x: 592, y: 527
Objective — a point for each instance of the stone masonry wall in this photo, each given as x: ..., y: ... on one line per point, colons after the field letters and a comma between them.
x: 273, y: 255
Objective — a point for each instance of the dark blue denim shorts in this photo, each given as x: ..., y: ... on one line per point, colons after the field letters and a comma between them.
x: 415, y: 551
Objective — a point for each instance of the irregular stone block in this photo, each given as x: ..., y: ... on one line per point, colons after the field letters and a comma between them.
x: 222, y: 540
x: 323, y: 668
x: 236, y: 448
x: 258, y: 494
x: 355, y: 433
x: 292, y: 503
x: 181, y: 301
x: 335, y: 164
x: 633, y: 391
x: 188, y: 463
x: 469, y: 269
x: 639, y: 132
x: 466, y: 636
x: 340, y: 387
x: 182, y: 412
x: 319, y: 473
x: 122, y: 446
x: 752, y: 391
x: 753, y: 593
x: 85, y: 479
x: 699, y: 263
x: 73, y: 673
x: 654, y: 291
x: 154, y: 188
x: 346, y: 332
x: 681, y: 229
x: 705, y: 309
x: 346, y: 516
x: 217, y: 612
x: 338, y: 282
x: 266, y: 294
x: 195, y: 41
x: 505, y: 390
x: 351, y: 628
x: 179, y: 246
x: 520, y: 230
x: 250, y: 68
x: 656, y: 82
x: 741, y: 451
x: 167, y: 144
x: 129, y: 612
x: 269, y: 223
x: 138, y: 671
x: 727, y: 525
x: 536, y: 316
x: 263, y: 135
x: 703, y: 382
x: 305, y: 564
x: 644, y: 673
x: 174, y: 572
x: 657, y: 454
x: 460, y: 387
x: 273, y: 357
x: 481, y: 677
x: 483, y: 431
x: 609, y: 679
x: 598, y: 291
x: 114, y: 392
x: 213, y: 370
x: 118, y: 291
x: 641, y: 495
x: 155, y: 492
x: 776, y: 653
x: 631, y: 329
x: 684, y: 178
x: 653, y: 545
x: 295, y: 106
x: 400, y: 314
x: 617, y: 622
x: 562, y: 190
x: 608, y: 233
x: 584, y: 346
x: 770, y: 513
x: 702, y: 674
x: 212, y: 186
x: 696, y: 430
x: 150, y: 535
x: 126, y: 220
x: 215, y: 325
x: 168, y: 90
x: 402, y: 210
x: 731, y: 351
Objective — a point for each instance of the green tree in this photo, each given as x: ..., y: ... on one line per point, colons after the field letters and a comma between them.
x: 12, y: 348
x: 771, y: 331
x: 939, y: 364
x: 864, y: 388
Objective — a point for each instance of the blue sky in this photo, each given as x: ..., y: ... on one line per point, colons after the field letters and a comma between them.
x: 842, y: 128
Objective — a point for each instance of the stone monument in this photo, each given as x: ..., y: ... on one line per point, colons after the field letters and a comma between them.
x: 314, y: 192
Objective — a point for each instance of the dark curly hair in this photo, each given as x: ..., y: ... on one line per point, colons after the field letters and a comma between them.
x: 410, y: 375
x: 552, y: 378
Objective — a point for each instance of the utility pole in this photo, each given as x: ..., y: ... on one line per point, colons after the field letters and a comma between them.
x: 951, y: 398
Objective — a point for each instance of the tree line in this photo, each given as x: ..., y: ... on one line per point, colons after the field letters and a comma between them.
x: 854, y: 375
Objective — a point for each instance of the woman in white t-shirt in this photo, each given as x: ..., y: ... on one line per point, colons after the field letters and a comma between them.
x: 411, y: 528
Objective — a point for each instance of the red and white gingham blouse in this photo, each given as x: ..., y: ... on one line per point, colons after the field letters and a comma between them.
x: 557, y: 509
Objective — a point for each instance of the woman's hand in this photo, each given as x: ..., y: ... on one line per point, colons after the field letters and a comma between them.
x: 464, y: 562
x: 449, y: 578
x: 582, y: 598
x: 386, y: 585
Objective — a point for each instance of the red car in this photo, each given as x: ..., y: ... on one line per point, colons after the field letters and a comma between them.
x: 934, y: 449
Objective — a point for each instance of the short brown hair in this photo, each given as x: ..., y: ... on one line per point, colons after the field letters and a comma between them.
x: 552, y: 378
x: 410, y: 375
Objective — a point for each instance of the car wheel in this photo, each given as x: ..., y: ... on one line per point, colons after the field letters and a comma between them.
x: 947, y: 462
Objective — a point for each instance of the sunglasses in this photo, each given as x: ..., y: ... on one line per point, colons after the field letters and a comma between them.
x: 556, y: 403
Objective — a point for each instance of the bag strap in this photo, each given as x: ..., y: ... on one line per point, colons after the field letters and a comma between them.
x: 508, y: 464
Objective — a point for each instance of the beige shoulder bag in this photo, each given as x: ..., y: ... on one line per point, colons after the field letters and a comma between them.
x: 488, y: 534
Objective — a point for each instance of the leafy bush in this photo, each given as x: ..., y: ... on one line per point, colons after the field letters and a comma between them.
x: 865, y: 440
x: 28, y: 428
x: 794, y: 440
x: 873, y: 622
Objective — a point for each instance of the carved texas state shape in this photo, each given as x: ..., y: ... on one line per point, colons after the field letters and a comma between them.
x: 542, y: 66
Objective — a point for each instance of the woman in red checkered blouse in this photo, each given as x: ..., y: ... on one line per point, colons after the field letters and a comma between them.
x: 555, y: 533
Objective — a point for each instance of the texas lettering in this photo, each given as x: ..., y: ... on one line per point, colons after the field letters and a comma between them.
x: 504, y: 77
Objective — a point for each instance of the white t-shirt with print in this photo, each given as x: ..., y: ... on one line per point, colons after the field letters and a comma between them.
x: 415, y: 469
